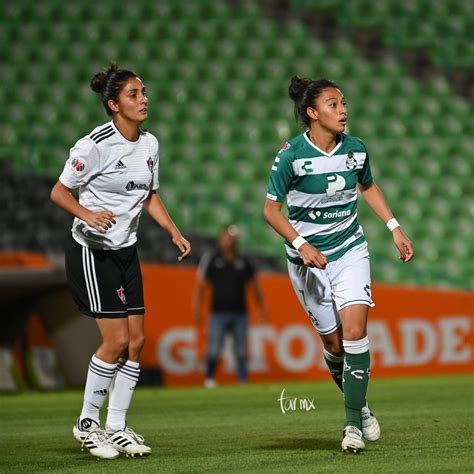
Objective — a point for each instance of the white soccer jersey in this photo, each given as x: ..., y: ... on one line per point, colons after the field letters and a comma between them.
x: 115, y: 174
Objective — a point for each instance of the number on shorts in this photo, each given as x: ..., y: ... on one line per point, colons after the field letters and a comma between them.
x: 310, y: 314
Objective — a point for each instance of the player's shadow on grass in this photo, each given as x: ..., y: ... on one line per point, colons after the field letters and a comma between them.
x: 77, y: 455
x: 307, y: 444
x: 76, y: 452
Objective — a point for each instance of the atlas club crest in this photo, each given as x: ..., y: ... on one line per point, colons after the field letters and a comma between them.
x: 121, y: 295
x: 149, y: 162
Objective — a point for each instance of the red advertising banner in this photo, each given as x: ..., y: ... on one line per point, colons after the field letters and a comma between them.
x: 411, y: 331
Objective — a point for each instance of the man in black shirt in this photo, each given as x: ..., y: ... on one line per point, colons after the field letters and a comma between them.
x: 228, y: 274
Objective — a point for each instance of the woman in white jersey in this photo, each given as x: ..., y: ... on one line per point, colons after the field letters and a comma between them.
x: 115, y: 168
x: 319, y: 173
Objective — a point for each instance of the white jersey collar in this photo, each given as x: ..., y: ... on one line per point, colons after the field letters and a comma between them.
x: 123, y: 138
x: 305, y: 134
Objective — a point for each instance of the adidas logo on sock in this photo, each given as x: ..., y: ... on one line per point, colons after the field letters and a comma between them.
x: 119, y: 165
x: 102, y: 392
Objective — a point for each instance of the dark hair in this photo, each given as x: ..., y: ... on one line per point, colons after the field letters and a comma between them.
x: 232, y: 228
x: 109, y: 84
x: 304, y: 93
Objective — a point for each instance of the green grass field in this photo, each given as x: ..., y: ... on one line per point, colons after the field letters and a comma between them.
x: 427, y: 426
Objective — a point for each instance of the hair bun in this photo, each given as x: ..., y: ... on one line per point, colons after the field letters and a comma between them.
x: 99, y: 81
x: 297, y: 88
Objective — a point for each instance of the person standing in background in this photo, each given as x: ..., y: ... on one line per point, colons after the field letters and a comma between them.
x: 228, y: 274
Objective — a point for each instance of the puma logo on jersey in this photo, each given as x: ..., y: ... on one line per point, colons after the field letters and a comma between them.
x: 120, y: 165
x: 336, y: 183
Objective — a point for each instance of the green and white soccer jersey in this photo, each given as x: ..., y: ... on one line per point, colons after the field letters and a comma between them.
x: 321, y: 193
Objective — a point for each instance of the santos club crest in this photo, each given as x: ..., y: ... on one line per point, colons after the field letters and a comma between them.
x: 351, y: 162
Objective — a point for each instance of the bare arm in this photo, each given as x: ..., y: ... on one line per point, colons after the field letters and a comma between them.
x: 312, y: 257
x: 157, y: 210
x: 198, y: 297
x: 257, y: 291
x: 376, y: 200
x: 63, y: 198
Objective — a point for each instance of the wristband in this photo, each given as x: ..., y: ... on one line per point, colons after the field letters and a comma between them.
x: 392, y: 224
x: 298, y: 242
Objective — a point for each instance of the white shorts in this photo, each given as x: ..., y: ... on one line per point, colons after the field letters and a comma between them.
x: 323, y: 293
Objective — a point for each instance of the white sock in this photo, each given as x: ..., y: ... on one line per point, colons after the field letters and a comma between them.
x: 99, y: 377
x: 126, y: 379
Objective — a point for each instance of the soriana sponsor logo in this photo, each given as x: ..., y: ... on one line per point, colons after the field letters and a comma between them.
x: 411, y: 331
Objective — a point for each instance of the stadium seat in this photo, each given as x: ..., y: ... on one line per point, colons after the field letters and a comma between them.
x: 217, y: 75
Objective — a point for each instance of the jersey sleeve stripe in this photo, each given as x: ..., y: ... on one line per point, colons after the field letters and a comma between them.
x: 272, y: 197
x: 103, y: 137
x: 101, y: 132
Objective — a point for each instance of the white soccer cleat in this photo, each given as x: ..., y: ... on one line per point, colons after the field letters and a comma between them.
x: 129, y: 442
x: 90, y: 435
x: 352, y: 441
x: 370, y: 425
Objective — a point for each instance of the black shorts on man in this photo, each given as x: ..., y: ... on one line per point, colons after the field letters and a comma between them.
x: 105, y: 283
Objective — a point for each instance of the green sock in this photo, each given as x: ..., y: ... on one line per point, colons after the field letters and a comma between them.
x: 336, y: 367
x: 355, y: 382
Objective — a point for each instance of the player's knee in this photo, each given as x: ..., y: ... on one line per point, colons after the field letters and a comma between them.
x: 334, y: 347
x: 355, y: 333
x: 136, y: 344
x: 119, y: 344
x: 115, y: 348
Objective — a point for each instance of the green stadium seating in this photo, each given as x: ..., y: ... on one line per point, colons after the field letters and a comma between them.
x: 217, y: 74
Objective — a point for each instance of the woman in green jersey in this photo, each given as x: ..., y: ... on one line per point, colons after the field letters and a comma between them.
x: 319, y: 173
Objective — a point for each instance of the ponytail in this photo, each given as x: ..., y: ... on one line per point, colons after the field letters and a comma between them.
x: 304, y: 92
x: 109, y: 83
